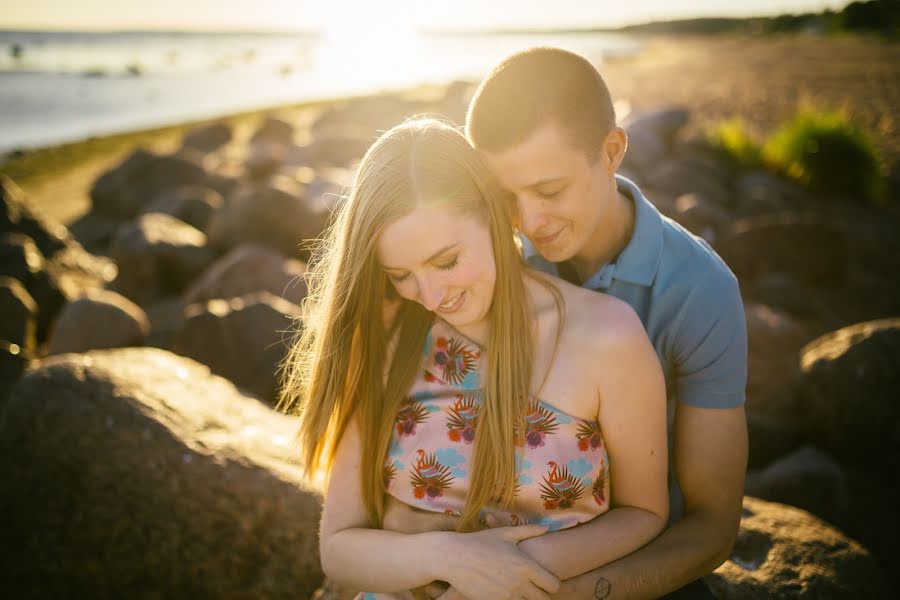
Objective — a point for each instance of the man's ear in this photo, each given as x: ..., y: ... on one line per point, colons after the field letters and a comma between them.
x: 614, y: 148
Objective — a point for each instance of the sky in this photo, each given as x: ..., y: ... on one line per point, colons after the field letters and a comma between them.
x: 382, y: 15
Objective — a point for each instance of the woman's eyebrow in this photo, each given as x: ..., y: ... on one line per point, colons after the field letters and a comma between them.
x: 429, y: 259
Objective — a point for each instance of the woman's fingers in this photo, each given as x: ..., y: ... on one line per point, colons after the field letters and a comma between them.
x: 523, y: 532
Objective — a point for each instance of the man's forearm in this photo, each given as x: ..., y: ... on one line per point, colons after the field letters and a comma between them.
x: 691, y: 548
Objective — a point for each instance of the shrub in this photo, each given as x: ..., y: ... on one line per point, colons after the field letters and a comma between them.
x: 828, y: 153
x: 732, y: 138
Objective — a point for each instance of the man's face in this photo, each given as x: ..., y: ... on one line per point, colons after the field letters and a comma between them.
x: 561, y: 195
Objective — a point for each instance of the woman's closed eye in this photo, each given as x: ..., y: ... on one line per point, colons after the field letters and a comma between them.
x: 550, y: 194
x: 397, y: 278
x: 449, y: 265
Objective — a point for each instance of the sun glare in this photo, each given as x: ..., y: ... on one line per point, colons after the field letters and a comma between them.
x: 371, y: 43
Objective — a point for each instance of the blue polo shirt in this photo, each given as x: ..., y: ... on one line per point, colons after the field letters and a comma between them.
x: 689, y: 302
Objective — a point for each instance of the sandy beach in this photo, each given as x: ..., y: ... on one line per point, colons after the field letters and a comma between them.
x: 761, y: 80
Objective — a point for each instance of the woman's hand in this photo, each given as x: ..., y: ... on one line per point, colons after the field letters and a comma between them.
x: 488, y: 565
x: 403, y: 518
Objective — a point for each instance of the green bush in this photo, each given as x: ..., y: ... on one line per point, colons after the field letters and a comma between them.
x: 732, y: 138
x: 828, y: 153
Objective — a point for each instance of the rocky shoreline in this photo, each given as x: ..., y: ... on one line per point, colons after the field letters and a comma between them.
x: 140, y: 356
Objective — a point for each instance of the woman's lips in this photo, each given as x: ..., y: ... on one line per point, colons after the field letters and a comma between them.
x: 455, y: 306
x: 548, y: 239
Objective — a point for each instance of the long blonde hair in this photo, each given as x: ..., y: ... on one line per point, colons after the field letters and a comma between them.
x: 335, y: 369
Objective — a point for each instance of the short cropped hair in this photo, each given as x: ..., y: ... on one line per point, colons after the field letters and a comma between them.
x: 535, y: 86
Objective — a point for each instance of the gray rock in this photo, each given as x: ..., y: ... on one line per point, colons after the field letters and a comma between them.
x: 275, y: 130
x: 782, y: 291
x: 135, y: 473
x: 18, y: 215
x: 808, y: 478
x: 763, y: 192
x: 192, y: 204
x: 850, y: 382
x: 771, y: 437
x: 19, y: 311
x: 243, y: 339
x: 701, y: 216
x: 685, y: 176
x: 810, y: 251
x: 274, y: 213
x: 264, y: 158
x: 98, y: 320
x: 785, y: 552
x: 650, y: 135
x: 124, y: 190
x: 250, y: 268
x: 208, y: 138
x: 774, y: 341
x: 158, y: 254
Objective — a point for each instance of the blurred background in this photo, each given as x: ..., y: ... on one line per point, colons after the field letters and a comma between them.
x: 164, y: 167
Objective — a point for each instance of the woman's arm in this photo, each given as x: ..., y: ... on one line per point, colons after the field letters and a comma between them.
x: 632, y: 415
x: 486, y: 564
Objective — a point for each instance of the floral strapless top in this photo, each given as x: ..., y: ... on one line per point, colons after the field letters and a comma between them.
x: 562, y: 468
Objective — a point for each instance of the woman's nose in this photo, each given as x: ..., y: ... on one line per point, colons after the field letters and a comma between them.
x: 431, y: 293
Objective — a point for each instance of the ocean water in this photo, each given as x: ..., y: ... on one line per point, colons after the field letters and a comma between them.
x: 64, y: 86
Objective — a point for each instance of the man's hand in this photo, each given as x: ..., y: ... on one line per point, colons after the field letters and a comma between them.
x: 403, y: 518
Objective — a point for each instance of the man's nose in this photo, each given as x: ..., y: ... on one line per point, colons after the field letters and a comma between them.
x: 431, y: 293
x: 531, y: 217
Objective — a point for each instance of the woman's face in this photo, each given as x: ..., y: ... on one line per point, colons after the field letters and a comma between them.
x: 441, y: 258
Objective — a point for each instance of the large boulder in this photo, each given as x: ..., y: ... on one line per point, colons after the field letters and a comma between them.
x: 785, y: 552
x: 97, y: 320
x: 193, y: 204
x: 208, y: 138
x: 18, y: 215
x: 249, y: 268
x: 807, y: 478
x: 158, y: 254
x: 850, y: 379
x: 243, y: 339
x: 274, y: 213
x: 650, y: 135
x: 14, y: 359
x: 810, y: 251
x: 122, y: 191
x: 689, y: 176
x: 774, y: 340
x: 275, y: 130
x: 19, y: 312
x: 135, y: 473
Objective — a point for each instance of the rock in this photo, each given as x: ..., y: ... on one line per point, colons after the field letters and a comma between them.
x: 701, y: 216
x: 274, y: 130
x: 19, y: 257
x: 782, y: 291
x: 17, y: 215
x: 275, y: 213
x: 685, y: 176
x: 873, y: 518
x: 98, y: 320
x: 774, y: 340
x: 192, y: 204
x: 807, y: 478
x: 243, y: 339
x: 650, y: 135
x: 52, y: 282
x: 125, y: 189
x: 94, y: 232
x: 13, y: 361
x: 763, y: 192
x: 135, y: 473
x: 784, y: 552
x: 250, y: 268
x: 771, y: 437
x: 158, y: 254
x: 850, y: 382
x: 208, y: 138
x: 264, y: 159
x: 340, y: 148
x: 19, y: 311
x: 166, y: 318
x: 810, y: 251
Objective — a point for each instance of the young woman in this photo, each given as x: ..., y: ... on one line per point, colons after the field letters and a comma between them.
x: 486, y: 394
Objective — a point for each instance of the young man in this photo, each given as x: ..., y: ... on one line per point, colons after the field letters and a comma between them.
x: 544, y: 122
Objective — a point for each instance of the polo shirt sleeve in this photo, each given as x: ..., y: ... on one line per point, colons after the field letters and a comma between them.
x: 710, y: 348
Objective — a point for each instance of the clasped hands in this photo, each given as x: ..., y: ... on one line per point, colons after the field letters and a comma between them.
x: 483, y: 565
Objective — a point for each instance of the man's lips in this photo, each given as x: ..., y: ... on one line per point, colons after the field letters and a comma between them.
x: 546, y: 239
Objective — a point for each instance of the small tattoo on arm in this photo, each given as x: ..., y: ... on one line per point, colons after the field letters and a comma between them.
x: 602, y: 589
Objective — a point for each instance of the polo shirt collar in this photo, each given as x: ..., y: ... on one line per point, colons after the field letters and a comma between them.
x: 638, y: 262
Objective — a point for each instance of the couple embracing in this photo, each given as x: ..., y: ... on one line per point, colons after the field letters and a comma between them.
x: 521, y: 379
